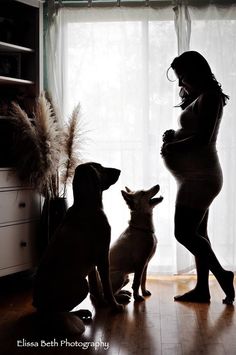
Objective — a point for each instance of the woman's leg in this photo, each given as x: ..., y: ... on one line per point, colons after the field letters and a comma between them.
x: 202, y: 267
x: 224, y: 277
x: 187, y: 222
x: 191, y: 231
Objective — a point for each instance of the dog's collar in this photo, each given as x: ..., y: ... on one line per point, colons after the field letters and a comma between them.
x: 143, y: 229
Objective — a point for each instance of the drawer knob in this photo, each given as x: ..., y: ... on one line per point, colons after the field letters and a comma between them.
x: 23, y: 244
x: 22, y: 204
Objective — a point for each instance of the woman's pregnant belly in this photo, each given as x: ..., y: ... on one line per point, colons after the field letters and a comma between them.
x: 194, y: 164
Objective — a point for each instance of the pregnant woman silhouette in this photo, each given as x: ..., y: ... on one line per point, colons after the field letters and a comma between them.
x: 191, y: 157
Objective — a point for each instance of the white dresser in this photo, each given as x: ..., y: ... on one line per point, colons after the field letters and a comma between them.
x: 19, y: 224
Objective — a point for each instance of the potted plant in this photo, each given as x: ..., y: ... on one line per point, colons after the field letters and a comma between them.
x: 46, y: 155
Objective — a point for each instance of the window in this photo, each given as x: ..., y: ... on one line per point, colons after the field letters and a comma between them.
x: 114, y: 61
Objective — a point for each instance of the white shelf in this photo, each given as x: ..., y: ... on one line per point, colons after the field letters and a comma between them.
x: 9, y: 47
x: 14, y: 81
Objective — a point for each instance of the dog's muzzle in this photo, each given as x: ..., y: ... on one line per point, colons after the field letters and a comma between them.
x: 109, y: 177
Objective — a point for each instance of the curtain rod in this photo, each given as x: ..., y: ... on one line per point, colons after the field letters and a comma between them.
x: 51, y: 7
x: 102, y: 3
x: 90, y: 3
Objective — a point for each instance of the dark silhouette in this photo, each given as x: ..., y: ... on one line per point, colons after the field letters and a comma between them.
x: 190, y: 155
x: 79, y: 246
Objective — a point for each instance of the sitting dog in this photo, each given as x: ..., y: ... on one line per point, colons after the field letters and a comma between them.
x: 132, y: 251
x: 80, y: 244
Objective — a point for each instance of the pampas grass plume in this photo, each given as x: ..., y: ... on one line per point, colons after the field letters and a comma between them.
x: 26, y: 146
x: 72, y: 135
x: 44, y: 150
x: 49, y: 138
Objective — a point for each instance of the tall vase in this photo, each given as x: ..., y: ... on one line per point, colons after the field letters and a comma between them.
x: 53, y: 212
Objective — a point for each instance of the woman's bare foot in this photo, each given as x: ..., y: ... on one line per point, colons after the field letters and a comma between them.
x: 195, y: 296
x: 227, y: 285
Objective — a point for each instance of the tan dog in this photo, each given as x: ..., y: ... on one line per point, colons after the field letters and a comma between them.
x: 80, y: 244
x: 133, y: 250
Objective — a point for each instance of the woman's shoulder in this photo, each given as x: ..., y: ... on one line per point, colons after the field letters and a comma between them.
x: 206, y: 96
x: 210, y: 98
x: 211, y: 94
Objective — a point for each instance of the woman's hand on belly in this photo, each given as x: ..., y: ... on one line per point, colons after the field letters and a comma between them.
x: 168, y: 136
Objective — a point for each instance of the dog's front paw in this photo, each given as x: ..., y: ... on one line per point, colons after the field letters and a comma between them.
x: 139, y: 298
x: 125, y: 292
x: 146, y: 293
x: 122, y: 298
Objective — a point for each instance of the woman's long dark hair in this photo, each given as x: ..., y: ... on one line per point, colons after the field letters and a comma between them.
x: 197, y: 71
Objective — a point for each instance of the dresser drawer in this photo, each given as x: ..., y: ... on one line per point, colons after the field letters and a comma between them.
x: 19, y: 205
x: 8, y: 179
x: 18, y: 245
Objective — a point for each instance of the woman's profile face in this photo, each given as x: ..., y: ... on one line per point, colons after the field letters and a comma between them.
x: 184, y: 83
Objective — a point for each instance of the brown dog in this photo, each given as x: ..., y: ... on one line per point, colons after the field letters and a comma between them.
x: 80, y: 244
x: 133, y: 250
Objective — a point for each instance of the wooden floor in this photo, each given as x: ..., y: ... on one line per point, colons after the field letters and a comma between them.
x: 158, y: 326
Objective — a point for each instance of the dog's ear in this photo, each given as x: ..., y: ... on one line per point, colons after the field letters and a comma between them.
x: 127, y: 189
x: 128, y: 199
x: 86, y: 187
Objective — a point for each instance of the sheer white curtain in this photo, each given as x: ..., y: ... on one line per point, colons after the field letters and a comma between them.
x: 114, y: 61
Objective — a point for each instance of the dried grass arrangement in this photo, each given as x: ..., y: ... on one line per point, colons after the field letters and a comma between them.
x: 46, y: 153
